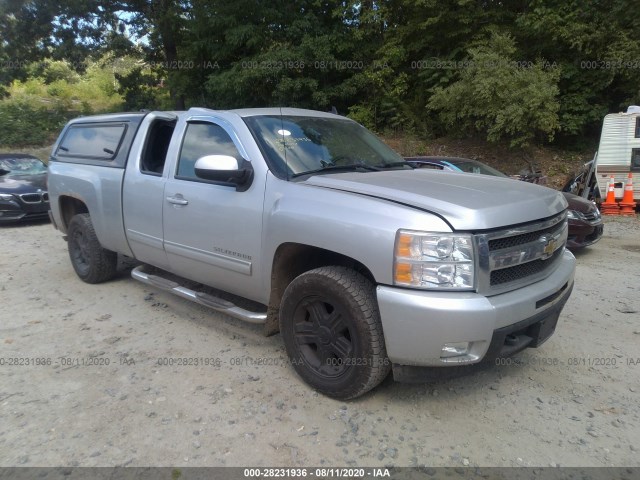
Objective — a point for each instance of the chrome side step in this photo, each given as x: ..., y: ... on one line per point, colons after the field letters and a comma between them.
x: 205, y: 299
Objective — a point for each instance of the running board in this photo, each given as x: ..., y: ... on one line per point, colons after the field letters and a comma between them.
x: 202, y: 298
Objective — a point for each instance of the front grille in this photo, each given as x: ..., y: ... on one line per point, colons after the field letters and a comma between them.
x: 512, y: 274
x: 591, y: 216
x: 508, y: 242
x: 34, y: 197
x: 521, y: 255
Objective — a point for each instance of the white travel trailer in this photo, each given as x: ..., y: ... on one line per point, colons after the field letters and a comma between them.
x: 619, y: 152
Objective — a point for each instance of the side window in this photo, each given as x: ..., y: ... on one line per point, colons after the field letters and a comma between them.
x: 155, y: 150
x: 203, y: 139
x: 92, y: 140
x: 635, y: 160
x: 638, y: 127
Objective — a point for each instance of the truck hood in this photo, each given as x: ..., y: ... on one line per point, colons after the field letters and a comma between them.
x: 466, y: 202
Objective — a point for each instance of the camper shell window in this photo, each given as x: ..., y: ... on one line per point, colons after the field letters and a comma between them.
x: 99, y: 141
x: 637, y: 127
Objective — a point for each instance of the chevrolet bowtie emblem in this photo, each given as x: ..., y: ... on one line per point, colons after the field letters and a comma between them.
x: 549, y: 246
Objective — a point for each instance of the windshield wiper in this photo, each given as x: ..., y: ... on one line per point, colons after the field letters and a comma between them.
x: 348, y: 168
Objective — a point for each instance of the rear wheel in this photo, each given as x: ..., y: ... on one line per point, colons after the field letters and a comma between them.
x: 92, y: 263
x: 332, y: 331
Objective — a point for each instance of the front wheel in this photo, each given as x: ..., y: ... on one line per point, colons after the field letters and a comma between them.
x: 332, y: 331
x: 92, y: 263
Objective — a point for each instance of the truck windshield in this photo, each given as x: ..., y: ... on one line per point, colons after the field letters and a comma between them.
x: 297, y: 146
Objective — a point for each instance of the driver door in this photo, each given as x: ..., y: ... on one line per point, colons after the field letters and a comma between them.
x: 212, y: 233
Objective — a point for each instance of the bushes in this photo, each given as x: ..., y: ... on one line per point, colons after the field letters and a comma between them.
x: 36, y: 109
x: 22, y: 123
x: 501, y: 98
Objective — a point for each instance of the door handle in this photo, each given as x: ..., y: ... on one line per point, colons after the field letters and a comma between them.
x: 177, y: 200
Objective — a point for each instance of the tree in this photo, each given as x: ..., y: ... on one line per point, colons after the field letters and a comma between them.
x: 500, y: 96
x: 381, y: 61
x: 59, y: 30
x: 163, y: 23
x: 598, y: 46
x: 298, y: 53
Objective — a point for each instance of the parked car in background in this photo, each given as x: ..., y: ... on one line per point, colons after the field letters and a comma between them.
x: 585, y: 221
x: 23, y: 188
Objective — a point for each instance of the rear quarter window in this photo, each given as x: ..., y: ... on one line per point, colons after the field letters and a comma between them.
x: 98, y: 141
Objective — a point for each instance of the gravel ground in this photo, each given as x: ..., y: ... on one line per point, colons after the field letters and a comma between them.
x: 97, y: 392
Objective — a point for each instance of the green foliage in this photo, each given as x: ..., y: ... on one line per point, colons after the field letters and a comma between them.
x: 363, y: 114
x: 501, y: 97
x: 23, y: 123
x: 596, y: 44
x: 140, y: 90
x: 35, y: 110
x: 393, y: 65
x: 56, y: 83
x: 51, y: 71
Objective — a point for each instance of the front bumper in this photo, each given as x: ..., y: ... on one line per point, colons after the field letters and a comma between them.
x: 582, y: 234
x: 417, y: 324
x: 16, y: 210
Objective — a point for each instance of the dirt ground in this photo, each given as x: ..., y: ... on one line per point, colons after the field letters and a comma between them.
x: 86, y: 380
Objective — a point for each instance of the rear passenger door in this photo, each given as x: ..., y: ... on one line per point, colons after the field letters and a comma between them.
x: 212, y: 233
x: 143, y: 188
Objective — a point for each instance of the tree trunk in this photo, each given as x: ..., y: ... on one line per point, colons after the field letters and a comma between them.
x: 168, y: 23
x: 171, y: 54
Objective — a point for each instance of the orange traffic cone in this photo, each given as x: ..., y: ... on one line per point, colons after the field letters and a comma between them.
x: 609, y: 206
x: 627, y: 205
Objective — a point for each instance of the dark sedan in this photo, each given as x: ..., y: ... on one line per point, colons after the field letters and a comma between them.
x: 585, y: 222
x: 23, y: 188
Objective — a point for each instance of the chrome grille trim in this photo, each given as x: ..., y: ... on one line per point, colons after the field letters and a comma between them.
x: 33, y: 198
x: 592, y: 217
x: 515, y: 257
x: 523, y: 270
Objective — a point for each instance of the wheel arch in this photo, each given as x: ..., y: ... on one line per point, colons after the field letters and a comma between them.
x: 69, y: 207
x: 293, y: 259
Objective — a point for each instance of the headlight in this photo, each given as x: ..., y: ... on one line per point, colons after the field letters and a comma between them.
x: 434, y: 260
x: 6, y: 196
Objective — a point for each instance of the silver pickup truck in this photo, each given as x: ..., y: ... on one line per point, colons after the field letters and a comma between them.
x: 363, y: 264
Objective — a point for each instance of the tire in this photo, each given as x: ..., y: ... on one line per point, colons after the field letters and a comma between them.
x: 332, y: 332
x: 92, y: 263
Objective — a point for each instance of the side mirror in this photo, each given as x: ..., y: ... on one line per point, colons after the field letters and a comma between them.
x: 225, y: 169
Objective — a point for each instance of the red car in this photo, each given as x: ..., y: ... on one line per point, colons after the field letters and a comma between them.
x: 585, y: 221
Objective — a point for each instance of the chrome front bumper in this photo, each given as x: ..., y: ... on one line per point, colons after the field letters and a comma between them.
x: 418, y: 324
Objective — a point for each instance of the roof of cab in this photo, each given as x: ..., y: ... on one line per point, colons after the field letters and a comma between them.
x: 109, y: 117
x: 253, y: 112
x: 242, y: 112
